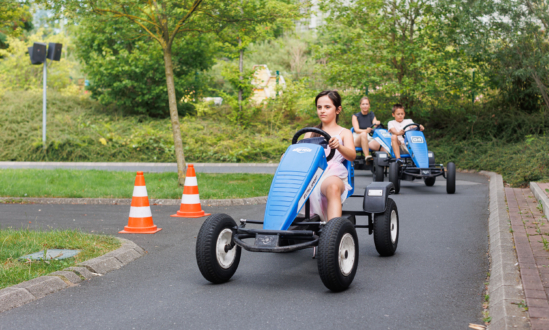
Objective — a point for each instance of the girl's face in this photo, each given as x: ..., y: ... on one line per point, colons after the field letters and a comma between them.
x: 326, y: 110
x: 365, y: 106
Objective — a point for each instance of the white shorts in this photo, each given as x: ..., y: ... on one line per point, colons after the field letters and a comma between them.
x: 356, y: 136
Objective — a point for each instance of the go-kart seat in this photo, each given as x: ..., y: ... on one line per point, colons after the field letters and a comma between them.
x: 351, y: 175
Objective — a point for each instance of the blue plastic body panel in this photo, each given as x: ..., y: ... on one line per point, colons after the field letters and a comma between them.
x: 417, y: 145
x: 383, y: 137
x: 351, y: 176
x: 294, y: 180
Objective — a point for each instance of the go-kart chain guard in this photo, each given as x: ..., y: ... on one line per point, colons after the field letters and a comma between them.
x: 267, y: 240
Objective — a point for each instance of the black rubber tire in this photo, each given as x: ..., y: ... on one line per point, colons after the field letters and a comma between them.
x: 451, y: 178
x: 378, y: 173
x: 393, y: 176
x: 328, y: 254
x: 429, y: 182
x: 382, y: 230
x: 206, y: 242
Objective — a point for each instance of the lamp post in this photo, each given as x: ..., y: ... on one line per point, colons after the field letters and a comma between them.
x: 40, y: 55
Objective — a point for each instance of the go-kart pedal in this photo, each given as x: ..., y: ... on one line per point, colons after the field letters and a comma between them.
x: 335, y: 245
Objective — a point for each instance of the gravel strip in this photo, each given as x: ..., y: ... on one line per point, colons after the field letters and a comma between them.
x: 39, y: 287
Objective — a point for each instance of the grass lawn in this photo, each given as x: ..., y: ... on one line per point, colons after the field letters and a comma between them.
x: 111, y: 184
x: 16, y: 243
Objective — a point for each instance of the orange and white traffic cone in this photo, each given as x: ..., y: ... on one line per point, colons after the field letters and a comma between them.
x: 190, y: 202
x: 140, y: 220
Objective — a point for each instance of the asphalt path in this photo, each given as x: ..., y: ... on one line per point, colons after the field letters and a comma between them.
x: 434, y: 281
x: 145, y: 167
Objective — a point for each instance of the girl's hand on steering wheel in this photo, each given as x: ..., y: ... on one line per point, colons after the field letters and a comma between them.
x: 333, y: 143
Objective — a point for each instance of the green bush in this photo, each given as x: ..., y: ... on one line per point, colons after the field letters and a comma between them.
x: 129, y: 72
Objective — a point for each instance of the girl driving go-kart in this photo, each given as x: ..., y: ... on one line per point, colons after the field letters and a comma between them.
x: 331, y: 191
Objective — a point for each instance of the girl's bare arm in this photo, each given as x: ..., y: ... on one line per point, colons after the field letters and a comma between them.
x: 347, y: 149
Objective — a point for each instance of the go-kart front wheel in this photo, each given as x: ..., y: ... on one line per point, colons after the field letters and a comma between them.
x: 338, y: 254
x: 429, y: 182
x: 386, y: 229
x: 216, y: 254
x: 451, y: 178
x: 394, y: 176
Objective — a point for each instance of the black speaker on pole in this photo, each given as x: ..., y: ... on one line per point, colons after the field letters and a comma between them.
x: 54, y: 51
x: 37, y: 53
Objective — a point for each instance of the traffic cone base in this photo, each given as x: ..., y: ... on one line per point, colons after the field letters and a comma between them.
x: 190, y: 201
x: 140, y: 220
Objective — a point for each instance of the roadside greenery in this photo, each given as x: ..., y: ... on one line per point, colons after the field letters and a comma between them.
x: 118, y: 184
x: 19, y: 242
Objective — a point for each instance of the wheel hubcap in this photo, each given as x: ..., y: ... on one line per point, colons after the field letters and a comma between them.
x: 346, y: 254
x: 394, y: 226
x: 225, y: 257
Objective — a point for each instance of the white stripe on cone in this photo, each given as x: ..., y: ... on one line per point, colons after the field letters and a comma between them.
x: 191, y: 181
x: 140, y: 191
x: 140, y: 212
x: 190, y: 199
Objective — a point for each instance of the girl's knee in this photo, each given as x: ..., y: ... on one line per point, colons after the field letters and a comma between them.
x: 393, y: 138
x: 363, y: 135
x: 333, y: 190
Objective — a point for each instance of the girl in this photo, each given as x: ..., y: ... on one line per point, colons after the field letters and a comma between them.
x: 331, y: 190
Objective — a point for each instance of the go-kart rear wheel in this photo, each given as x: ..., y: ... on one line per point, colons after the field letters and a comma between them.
x: 394, y: 176
x: 338, y: 254
x: 378, y: 173
x: 451, y: 178
x: 386, y: 230
x: 429, y: 182
x: 216, y: 254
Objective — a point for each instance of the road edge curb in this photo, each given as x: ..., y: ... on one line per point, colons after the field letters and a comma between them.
x: 128, y: 201
x: 505, y: 285
x: 541, y: 197
x: 28, y: 291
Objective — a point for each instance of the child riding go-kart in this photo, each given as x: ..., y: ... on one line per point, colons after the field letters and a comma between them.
x: 419, y: 163
x: 220, y: 240
x: 380, y: 160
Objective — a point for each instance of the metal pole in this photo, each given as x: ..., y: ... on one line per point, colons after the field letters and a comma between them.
x: 473, y: 92
x: 44, y: 105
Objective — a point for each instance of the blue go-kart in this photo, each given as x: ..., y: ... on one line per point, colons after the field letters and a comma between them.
x: 419, y: 163
x: 380, y: 161
x: 335, y: 243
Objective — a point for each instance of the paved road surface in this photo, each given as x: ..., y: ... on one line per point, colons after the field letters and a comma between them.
x: 146, y: 167
x: 435, y: 280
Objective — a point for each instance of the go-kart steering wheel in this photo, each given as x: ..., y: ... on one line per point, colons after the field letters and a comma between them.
x: 373, y: 127
x: 413, y: 124
x: 318, y: 131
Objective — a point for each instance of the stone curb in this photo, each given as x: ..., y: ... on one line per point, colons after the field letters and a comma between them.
x: 128, y: 201
x: 541, y: 196
x: 39, y: 287
x: 505, y: 286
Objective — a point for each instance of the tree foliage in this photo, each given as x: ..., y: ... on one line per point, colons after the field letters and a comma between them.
x: 15, y: 19
x: 511, y: 38
x: 395, y: 48
x: 128, y: 71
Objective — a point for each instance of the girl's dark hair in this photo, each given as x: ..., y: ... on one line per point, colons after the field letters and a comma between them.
x: 336, y: 100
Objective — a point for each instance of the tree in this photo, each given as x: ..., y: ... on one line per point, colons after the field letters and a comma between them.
x: 161, y: 20
x: 15, y: 18
x: 511, y: 38
x: 395, y: 48
x: 127, y: 70
x: 246, y: 21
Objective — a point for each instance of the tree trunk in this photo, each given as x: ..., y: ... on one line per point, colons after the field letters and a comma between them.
x: 241, y: 69
x: 177, y: 142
